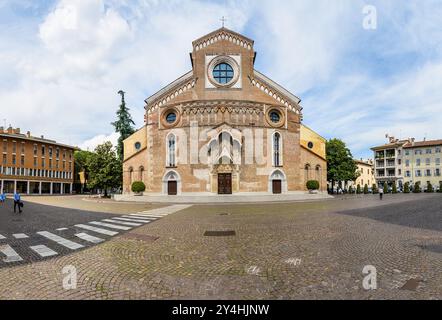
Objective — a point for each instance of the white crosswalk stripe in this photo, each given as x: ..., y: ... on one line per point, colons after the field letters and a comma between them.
x: 60, y: 240
x: 44, y: 251
x: 11, y: 255
x: 123, y: 223
x: 62, y: 229
x: 151, y: 215
x: 133, y: 220
x: 137, y: 216
x: 88, y: 237
x: 112, y: 226
x: 20, y: 236
x: 97, y: 230
x: 2, y: 237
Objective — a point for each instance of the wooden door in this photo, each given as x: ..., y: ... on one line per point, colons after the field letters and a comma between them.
x: 276, y: 186
x: 172, y: 188
x: 224, y: 183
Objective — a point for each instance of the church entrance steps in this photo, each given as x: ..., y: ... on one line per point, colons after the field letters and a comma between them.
x: 216, y: 198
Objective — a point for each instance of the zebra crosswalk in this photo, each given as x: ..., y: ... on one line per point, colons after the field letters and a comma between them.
x: 23, y: 247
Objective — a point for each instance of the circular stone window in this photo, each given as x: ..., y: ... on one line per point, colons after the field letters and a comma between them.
x: 310, y: 145
x: 171, y: 117
x: 137, y: 145
x: 274, y: 116
x: 223, y: 73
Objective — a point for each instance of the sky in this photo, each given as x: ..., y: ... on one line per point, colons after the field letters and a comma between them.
x: 62, y: 62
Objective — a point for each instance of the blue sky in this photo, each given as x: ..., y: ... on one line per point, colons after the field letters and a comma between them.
x: 62, y: 62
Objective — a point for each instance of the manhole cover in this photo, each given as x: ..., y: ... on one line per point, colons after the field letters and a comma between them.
x: 411, y: 284
x: 224, y: 214
x: 142, y: 237
x: 228, y: 233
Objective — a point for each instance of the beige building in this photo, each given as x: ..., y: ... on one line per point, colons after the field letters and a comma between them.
x: 401, y: 161
x: 224, y: 128
x: 366, y: 173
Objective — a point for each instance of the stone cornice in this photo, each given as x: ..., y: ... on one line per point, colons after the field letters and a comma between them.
x: 223, y: 34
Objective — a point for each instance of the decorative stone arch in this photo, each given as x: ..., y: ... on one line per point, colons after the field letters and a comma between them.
x: 318, y: 175
x: 278, y: 174
x: 171, y: 175
x: 131, y: 176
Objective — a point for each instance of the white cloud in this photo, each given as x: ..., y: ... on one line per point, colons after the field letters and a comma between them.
x: 91, y: 144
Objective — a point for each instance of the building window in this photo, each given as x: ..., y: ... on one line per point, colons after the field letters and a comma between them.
x: 22, y: 147
x: 22, y: 160
x: 407, y: 163
x: 428, y: 151
x: 43, y: 150
x: 137, y: 146
x: 427, y: 161
x: 35, y: 150
x: 407, y: 173
x: 13, y: 159
x: 418, y: 152
x: 418, y: 162
x: 274, y: 116
x: 407, y: 152
x: 438, y: 150
x: 171, y: 143
x: 170, y: 118
x: 438, y: 162
x: 418, y: 173
x: 437, y: 172
x: 307, y: 172
x: 223, y: 73
x: 428, y: 173
x: 276, y: 149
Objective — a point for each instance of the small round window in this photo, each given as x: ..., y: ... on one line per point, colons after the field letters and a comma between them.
x: 274, y: 116
x: 223, y: 73
x: 137, y: 145
x: 171, y: 117
x: 310, y: 145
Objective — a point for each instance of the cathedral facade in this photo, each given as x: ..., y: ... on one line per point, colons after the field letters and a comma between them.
x: 223, y: 128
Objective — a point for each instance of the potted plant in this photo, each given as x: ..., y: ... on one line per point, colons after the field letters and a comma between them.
x: 417, y: 188
x: 407, y: 187
x: 375, y: 189
x: 313, y: 186
x: 430, y: 188
x: 138, y: 187
x: 394, y: 190
x: 366, y: 189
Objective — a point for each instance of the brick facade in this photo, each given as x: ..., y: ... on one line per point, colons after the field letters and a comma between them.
x: 247, y: 133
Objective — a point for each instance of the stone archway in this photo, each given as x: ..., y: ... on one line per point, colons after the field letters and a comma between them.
x: 172, y: 183
x: 277, y: 182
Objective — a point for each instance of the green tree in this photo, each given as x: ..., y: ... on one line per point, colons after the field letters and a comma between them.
x: 358, y: 189
x: 123, y: 125
x: 406, y: 187
x: 417, y: 188
x: 374, y: 188
x: 350, y: 190
x: 81, y: 168
x: 430, y: 188
x: 366, y: 189
x: 394, y: 190
x: 385, y: 188
x: 440, y: 187
x: 340, y: 163
x: 105, y: 170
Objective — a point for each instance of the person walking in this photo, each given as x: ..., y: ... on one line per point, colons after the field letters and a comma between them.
x: 2, y: 198
x: 381, y: 193
x: 17, y: 202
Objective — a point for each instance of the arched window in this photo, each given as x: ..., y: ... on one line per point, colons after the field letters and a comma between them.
x: 131, y: 175
x: 141, y: 173
x: 171, y: 151
x: 276, y: 149
x: 318, y: 174
x: 307, y: 172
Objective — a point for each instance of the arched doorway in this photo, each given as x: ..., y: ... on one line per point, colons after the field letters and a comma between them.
x: 172, y: 183
x: 277, y: 182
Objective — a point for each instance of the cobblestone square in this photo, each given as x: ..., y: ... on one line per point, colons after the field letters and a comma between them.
x: 298, y: 250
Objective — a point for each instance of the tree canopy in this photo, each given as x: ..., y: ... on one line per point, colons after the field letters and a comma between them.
x: 123, y: 125
x: 340, y: 163
x: 105, y: 169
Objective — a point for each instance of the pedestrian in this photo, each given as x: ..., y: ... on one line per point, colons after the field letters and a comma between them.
x: 2, y: 197
x: 17, y: 202
x: 381, y: 193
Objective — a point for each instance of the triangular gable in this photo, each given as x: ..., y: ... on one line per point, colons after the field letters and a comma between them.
x: 223, y: 34
x: 169, y: 92
x: 276, y: 91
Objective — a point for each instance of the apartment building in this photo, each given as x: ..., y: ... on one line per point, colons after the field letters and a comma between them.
x: 401, y: 161
x: 34, y: 165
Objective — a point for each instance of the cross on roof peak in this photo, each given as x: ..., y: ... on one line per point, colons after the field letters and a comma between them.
x: 223, y: 20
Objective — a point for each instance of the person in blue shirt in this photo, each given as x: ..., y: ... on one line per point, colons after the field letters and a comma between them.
x: 2, y: 197
x: 17, y: 202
